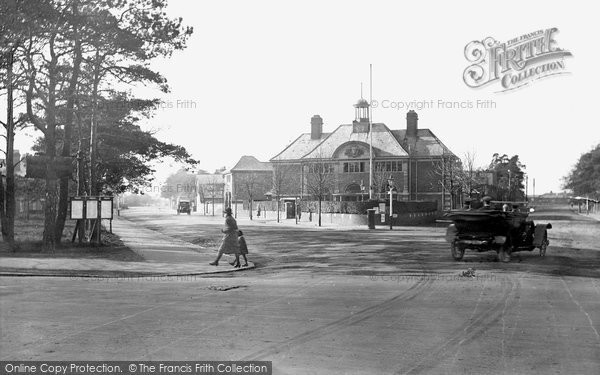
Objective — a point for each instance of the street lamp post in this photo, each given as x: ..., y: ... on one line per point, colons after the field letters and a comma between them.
x: 362, y: 191
x: 391, y: 185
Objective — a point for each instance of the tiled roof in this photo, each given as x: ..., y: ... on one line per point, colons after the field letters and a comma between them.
x: 300, y: 147
x: 384, y: 143
x: 250, y: 163
x: 426, y: 143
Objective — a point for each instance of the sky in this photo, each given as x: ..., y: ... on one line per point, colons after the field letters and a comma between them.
x: 254, y: 73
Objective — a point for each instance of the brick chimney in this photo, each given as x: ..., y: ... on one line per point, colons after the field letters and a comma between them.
x: 316, y: 127
x: 411, y: 124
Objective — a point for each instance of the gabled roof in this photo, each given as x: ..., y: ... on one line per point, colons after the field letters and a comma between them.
x: 250, y: 163
x: 425, y: 144
x: 300, y: 147
x: 384, y: 143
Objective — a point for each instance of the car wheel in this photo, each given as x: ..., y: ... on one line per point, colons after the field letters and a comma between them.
x: 504, y: 255
x: 457, y: 251
x: 505, y: 250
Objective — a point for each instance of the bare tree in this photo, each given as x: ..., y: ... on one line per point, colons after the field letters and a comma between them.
x: 448, y: 174
x: 319, y: 179
x: 209, y: 188
x: 214, y: 188
x: 380, y: 178
x: 201, y: 192
x: 283, y: 178
x: 252, y: 185
x: 470, y: 172
x: 456, y: 176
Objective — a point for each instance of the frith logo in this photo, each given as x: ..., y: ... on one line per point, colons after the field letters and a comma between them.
x: 515, y: 63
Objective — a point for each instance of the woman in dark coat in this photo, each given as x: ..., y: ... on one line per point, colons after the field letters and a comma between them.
x: 230, y: 241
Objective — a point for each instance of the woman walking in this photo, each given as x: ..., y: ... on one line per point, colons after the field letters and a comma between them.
x: 230, y: 240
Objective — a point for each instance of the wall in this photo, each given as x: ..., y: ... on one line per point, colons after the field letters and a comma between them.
x: 406, y: 219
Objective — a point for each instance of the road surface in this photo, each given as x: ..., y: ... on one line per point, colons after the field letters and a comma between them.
x: 329, y: 301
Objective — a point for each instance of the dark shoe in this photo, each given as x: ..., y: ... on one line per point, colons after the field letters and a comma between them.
x: 215, y: 263
x: 237, y: 266
x: 245, y: 265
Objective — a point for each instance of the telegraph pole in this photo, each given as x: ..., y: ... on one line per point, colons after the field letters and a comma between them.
x: 370, y: 132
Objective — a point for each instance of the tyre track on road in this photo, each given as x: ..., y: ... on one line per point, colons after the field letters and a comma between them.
x: 553, y: 331
x: 476, y: 327
x: 581, y: 309
x: 471, y: 317
x: 235, y: 317
x: 53, y: 341
x: 340, y: 324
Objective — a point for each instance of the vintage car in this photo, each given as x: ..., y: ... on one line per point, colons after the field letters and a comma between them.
x: 184, y: 206
x: 504, y: 227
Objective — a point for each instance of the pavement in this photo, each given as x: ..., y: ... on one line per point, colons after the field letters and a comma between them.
x: 593, y: 215
x: 157, y: 249
x: 164, y: 255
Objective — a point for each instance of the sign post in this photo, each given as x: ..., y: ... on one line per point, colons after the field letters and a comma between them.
x: 90, y: 208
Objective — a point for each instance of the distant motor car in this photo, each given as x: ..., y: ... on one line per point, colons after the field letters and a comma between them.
x: 504, y: 227
x: 184, y: 207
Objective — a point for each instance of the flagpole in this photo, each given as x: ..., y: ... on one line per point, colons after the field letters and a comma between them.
x: 370, y: 132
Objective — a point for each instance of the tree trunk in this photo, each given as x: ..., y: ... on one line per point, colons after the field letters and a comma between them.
x: 93, y: 183
x: 3, y: 220
x: 250, y: 202
x: 278, y: 208
x: 49, y: 237
x: 8, y: 196
x: 82, y: 145
x: 81, y: 174
x: 63, y: 200
x: 320, y: 211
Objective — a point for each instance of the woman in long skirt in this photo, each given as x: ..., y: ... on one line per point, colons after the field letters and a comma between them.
x: 230, y: 241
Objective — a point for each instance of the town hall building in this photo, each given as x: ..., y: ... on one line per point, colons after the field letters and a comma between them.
x: 409, y: 161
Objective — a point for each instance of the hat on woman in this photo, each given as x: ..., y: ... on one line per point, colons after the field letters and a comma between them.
x: 228, y: 211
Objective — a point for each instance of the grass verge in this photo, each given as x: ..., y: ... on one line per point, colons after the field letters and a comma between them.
x: 28, y: 244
